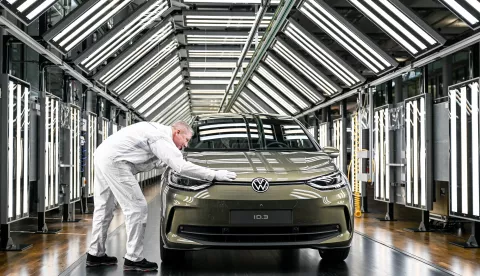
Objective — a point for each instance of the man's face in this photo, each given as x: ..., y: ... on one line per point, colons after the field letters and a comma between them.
x: 181, y: 138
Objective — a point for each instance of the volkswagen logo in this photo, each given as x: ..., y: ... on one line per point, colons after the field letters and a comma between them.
x: 260, y: 185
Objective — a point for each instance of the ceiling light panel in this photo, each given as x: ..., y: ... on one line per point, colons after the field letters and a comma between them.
x: 141, y: 19
x: 148, y: 43
x: 213, y: 74
x: 82, y: 22
x: 214, y: 64
x: 152, y: 80
x: 256, y: 91
x: 306, y: 89
x: 222, y: 39
x: 161, y: 97
x: 133, y: 85
x: 401, y: 24
x: 229, y: 2
x: 27, y: 10
x: 467, y: 10
x: 301, y: 65
x: 244, y: 97
x: 274, y: 94
x: 348, y: 36
x: 274, y: 79
x: 224, y: 20
x: 165, y: 84
x: 217, y: 53
x: 211, y: 81
x: 171, y: 107
x: 322, y: 54
x: 206, y: 91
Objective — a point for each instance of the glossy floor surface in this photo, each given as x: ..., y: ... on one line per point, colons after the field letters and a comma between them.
x: 379, y: 248
x: 367, y: 258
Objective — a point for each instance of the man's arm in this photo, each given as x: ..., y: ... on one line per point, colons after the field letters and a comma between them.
x: 172, y: 157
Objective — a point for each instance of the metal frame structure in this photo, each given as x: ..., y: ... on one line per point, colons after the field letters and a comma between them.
x: 27, y: 11
x: 14, y: 153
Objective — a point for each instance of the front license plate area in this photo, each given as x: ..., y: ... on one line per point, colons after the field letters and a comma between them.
x: 261, y: 217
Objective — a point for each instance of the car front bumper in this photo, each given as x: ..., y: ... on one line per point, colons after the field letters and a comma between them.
x: 203, y: 219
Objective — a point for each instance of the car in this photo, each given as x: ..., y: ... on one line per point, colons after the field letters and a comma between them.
x: 288, y: 192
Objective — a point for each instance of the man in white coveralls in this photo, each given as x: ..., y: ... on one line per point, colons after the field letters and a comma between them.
x: 138, y: 147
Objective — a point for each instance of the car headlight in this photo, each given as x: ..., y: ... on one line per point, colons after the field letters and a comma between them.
x: 187, y: 183
x: 331, y: 181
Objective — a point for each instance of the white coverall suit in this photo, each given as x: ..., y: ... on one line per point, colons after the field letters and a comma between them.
x: 139, y: 147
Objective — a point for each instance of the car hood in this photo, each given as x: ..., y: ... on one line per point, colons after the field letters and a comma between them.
x: 272, y: 165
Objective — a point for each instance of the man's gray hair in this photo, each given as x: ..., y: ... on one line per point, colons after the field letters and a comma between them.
x: 183, y: 126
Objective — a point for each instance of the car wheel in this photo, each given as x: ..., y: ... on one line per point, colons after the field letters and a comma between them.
x: 335, y: 254
x: 169, y: 256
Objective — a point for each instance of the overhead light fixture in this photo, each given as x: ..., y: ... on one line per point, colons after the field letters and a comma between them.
x: 301, y: 65
x: 297, y: 82
x: 206, y: 91
x: 257, y: 92
x: 348, y: 36
x: 82, y: 22
x: 166, y: 94
x: 152, y: 95
x: 401, y: 24
x: 138, y: 84
x: 164, y: 111
x: 176, y: 112
x: 214, y: 38
x: 272, y: 92
x: 205, y: 96
x: 322, y: 54
x: 214, y: 74
x: 229, y: 2
x: 147, y: 44
x: 140, y: 20
x: 223, y: 19
x: 28, y: 10
x: 210, y: 81
x: 216, y: 64
x: 274, y: 79
x: 216, y: 53
x: 255, y: 104
x: 467, y: 10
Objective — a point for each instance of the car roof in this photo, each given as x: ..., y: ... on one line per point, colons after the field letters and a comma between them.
x: 241, y: 115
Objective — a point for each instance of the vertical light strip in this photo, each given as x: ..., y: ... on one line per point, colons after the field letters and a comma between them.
x: 25, y: 150
x: 377, y: 156
x: 423, y: 153
x: 18, y: 157
x: 387, y: 155
x: 453, y: 147
x: 382, y: 165
x: 415, y: 153
x: 464, y: 145
x: 408, y: 149
x: 11, y: 119
x: 56, y: 154
x: 475, y: 150
x: 47, y: 153
x: 51, y: 149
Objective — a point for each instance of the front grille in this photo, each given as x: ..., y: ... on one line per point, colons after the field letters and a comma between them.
x: 258, y: 234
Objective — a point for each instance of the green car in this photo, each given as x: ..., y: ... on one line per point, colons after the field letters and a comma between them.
x: 288, y: 192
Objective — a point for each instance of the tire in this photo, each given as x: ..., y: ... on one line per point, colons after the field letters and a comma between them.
x: 334, y: 254
x: 170, y: 256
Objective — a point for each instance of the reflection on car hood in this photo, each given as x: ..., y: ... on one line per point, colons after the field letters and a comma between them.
x: 272, y: 165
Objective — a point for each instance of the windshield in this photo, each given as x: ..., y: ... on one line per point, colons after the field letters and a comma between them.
x: 249, y: 133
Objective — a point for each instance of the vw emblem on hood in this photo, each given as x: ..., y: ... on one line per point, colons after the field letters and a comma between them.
x: 260, y: 185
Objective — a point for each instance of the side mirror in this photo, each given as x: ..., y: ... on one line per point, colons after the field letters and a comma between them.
x: 331, y: 151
